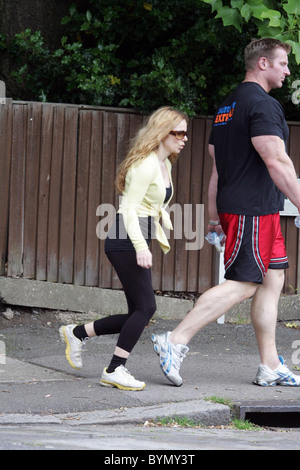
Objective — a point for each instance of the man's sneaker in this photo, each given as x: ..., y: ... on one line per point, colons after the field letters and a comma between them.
x: 122, y: 379
x: 73, y: 346
x: 170, y: 356
x: 159, y: 341
x: 280, y: 376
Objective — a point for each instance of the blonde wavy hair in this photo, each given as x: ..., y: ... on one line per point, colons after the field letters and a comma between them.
x: 158, y: 126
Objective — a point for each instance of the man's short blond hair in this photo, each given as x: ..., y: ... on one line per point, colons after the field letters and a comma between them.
x: 262, y: 48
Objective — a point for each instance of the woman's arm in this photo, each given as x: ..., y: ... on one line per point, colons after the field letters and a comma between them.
x: 141, y: 177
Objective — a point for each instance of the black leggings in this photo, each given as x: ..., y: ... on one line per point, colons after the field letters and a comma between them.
x: 137, y: 285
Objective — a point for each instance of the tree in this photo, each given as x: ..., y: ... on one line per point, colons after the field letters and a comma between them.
x: 280, y: 20
x: 134, y: 54
x: 142, y: 55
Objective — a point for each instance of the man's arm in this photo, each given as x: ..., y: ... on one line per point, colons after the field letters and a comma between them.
x: 212, y: 193
x: 281, y: 169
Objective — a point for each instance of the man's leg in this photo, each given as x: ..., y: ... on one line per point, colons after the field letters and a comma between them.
x: 264, y: 311
x: 171, y: 347
x: 210, y: 306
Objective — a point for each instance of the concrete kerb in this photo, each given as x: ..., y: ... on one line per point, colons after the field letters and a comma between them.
x: 83, y: 302
x: 201, y: 412
x: 88, y: 303
x: 288, y: 309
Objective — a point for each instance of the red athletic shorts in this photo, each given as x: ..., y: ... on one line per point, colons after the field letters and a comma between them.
x: 253, y: 245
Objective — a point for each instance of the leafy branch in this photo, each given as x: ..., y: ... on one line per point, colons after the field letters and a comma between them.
x: 279, y: 20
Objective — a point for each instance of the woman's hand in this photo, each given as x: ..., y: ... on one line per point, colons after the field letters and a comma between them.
x: 144, y: 259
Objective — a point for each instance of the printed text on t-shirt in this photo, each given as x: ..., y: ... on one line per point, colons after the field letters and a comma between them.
x: 224, y: 115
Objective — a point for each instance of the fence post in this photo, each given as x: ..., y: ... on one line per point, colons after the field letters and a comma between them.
x: 3, y: 99
x: 2, y: 92
x: 219, y: 276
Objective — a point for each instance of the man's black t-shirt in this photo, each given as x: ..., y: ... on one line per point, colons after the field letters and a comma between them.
x: 244, y: 184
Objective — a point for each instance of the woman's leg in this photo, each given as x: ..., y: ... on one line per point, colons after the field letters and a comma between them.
x: 138, y: 289
x: 137, y: 284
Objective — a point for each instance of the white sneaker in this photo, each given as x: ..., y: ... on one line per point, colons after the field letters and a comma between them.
x: 122, y: 379
x: 73, y: 346
x: 170, y: 356
x: 281, y: 376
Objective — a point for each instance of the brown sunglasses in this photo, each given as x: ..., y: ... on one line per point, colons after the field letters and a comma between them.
x: 180, y: 135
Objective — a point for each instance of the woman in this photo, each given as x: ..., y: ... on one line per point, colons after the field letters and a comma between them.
x: 144, y: 179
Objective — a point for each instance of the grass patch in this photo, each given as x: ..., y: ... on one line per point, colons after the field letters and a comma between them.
x: 244, y: 425
x: 177, y: 421
x: 219, y: 400
x: 186, y: 422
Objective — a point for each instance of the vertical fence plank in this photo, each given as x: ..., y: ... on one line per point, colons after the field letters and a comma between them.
x: 94, y: 188
x: 5, y: 163
x: 182, y: 198
x: 107, y: 186
x: 122, y: 148
x: 290, y: 233
x: 43, y: 196
x: 294, y: 146
x: 196, y: 187
x: 55, y: 193
x: 292, y: 236
x: 206, y: 260
x: 33, y: 133
x: 83, y: 166
x: 16, y: 211
x: 67, y: 205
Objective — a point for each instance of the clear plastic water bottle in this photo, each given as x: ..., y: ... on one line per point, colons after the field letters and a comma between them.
x: 214, y: 239
x: 297, y: 221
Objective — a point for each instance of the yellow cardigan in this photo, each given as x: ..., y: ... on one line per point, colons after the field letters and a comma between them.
x: 144, y: 196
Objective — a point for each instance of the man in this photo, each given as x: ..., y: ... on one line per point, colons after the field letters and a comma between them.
x: 251, y: 172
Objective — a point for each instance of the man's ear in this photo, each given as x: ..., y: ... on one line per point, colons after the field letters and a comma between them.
x: 262, y: 63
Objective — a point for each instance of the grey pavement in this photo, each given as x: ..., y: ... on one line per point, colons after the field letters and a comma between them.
x: 147, y: 444
x: 38, y: 387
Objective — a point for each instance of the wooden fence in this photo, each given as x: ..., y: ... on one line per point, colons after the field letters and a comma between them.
x: 58, y: 165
